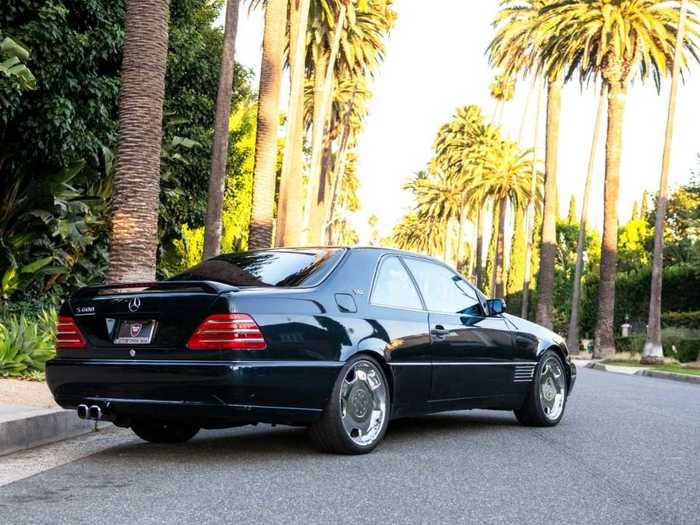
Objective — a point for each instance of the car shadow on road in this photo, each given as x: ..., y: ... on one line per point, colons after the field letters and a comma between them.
x: 264, y: 442
x: 449, y: 423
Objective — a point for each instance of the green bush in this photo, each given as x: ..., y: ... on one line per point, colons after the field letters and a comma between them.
x: 686, y: 343
x: 688, y: 350
x: 633, y: 344
x: 681, y: 319
x: 26, y: 344
x: 191, y: 247
x: 675, y: 338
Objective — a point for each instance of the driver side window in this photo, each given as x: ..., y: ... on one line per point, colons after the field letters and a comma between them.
x: 443, y: 290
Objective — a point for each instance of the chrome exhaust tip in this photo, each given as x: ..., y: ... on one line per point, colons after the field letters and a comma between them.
x: 95, y: 412
x: 82, y: 411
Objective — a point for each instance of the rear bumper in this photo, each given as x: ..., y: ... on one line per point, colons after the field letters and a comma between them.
x: 210, y: 393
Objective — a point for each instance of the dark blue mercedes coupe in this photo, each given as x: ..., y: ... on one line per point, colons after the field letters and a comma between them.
x: 340, y: 340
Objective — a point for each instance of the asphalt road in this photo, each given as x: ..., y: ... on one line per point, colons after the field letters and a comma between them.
x: 627, y: 451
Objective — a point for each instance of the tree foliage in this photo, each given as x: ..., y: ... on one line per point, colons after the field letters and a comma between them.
x: 68, y: 124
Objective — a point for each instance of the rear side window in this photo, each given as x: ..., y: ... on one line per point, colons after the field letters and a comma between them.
x: 279, y: 268
x: 443, y: 290
x: 393, y: 286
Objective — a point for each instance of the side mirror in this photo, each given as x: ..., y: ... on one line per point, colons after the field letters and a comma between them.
x: 496, y: 306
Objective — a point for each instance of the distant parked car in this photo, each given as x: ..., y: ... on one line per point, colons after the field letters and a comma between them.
x: 337, y: 339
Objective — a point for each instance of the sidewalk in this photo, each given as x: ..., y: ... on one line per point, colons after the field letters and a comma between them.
x: 23, y: 427
x: 636, y: 370
x: 29, y: 417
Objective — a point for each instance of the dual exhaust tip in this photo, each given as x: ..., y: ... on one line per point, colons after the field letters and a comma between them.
x: 90, y: 412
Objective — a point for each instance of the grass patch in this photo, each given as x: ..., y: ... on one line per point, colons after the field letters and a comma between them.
x: 671, y: 367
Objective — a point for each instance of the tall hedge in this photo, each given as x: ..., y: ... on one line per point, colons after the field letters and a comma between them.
x: 681, y: 293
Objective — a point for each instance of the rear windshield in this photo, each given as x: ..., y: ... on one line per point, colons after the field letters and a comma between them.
x: 266, y: 268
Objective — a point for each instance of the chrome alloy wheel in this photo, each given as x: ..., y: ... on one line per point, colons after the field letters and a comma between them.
x: 363, y: 402
x: 552, y: 388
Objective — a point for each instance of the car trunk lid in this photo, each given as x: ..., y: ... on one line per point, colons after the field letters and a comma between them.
x: 151, y: 319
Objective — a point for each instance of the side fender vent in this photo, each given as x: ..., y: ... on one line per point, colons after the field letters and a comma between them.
x: 523, y: 373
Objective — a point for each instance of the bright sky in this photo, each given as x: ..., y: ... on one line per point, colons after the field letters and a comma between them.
x: 435, y: 62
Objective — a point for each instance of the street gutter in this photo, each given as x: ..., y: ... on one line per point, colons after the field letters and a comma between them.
x: 639, y: 371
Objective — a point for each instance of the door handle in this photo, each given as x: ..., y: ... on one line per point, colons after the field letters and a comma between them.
x: 439, y: 332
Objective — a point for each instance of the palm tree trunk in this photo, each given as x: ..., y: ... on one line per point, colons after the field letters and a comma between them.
x: 341, y: 158
x: 573, y: 336
x: 446, y: 248
x: 134, y: 225
x: 530, y: 91
x: 494, y: 115
x: 499, y: 290
x: 480, y: 225
x: 219, y: 156
x: 604, y: 334
x: 545, y: 300
x: 264, y: 182
x: 319, y: 211
x: 325, y: 69
x: 515, y: 275
x: 653, y: 350
x: 530, y: 214
x: 492, y: 249
x: 460, y: 235
x: 312, y: 185
x: 291, y: 195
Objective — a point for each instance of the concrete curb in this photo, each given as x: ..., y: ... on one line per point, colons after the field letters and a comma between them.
x: 27, y: 427
x: 684, y: 378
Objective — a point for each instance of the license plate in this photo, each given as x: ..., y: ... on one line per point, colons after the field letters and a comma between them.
x: 135, y: 332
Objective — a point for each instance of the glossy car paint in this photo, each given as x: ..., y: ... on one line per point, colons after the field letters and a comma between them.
x: 474, y: 362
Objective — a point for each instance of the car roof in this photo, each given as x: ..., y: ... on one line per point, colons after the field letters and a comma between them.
x: 355, y: 248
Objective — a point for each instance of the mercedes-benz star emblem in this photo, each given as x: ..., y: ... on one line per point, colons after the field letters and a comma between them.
x: 134, y: 304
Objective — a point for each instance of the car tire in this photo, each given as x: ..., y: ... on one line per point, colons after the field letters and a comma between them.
x: 360, y: 399
x: 546, y: 400
x: 164, y: 432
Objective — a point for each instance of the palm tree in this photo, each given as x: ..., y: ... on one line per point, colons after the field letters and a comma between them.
x: 572, y: 335
x: 515, y: 47
x: 458, y: 151
x: 419, y: 234
x: 134, y: 224
x: 357, y: 48
x: 346, y: 200
x: 530, y: 214
x: 326, y: 40
x: 505, y: 177
x: 612, y: 40
x: 548, y: 247
x: 502, y: 90
x: 349, y: 110
x: 440, y: 198
x: 219, y: 156
x: 479, y: 246
x: 261, y: 222
x: 653, y: 351
x: 291, y: 193
x: 374, y: 236
x: 518, y: 248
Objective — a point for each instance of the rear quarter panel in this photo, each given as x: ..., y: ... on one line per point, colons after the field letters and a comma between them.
x: 310, y: 325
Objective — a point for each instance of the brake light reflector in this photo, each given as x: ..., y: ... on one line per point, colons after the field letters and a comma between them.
x: 227, y: 331
x: 68, y: 334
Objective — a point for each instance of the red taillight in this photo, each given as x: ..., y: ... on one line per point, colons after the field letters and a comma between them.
x: 68, y: 334
x: 227, y: 331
